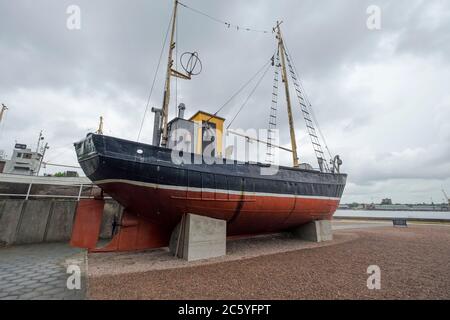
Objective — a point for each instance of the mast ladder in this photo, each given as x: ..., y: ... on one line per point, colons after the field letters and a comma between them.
x: 273, y: 111
x: 305, y: 107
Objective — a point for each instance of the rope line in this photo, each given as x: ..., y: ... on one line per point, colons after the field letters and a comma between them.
x: 227, y: 24
x: 241, y: 89
x: 176, y: 68
x: 249, y: 96
x: 154, y: 81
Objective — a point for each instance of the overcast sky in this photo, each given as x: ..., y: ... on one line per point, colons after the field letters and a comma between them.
x: 381, y: 97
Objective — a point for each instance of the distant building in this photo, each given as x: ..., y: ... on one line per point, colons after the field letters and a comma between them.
x: 23, y: 161
x: 386, y: 201
x: 71, y: 174
x: 394, y: 207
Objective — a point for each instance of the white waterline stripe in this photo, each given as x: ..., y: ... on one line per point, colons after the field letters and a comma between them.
x: 178, y: 188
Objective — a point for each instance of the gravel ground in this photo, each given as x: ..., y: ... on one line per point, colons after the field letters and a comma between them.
x: 414, y: 262
x: 101, y: 264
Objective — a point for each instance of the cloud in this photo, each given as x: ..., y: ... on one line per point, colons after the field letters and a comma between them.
x: 381, y: 97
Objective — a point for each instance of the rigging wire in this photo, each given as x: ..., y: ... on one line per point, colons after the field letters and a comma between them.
x: 154, y: 80
x: 241, y: 89
x: 249, y: 96
x: 222, y: 22
x: 308, y: 102
x: 65, y: 148
x: 176, y: 67
x: 59, y: 154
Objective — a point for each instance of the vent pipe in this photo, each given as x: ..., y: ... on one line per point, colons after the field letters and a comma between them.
x: 156, y: 126
x: 181, y: 109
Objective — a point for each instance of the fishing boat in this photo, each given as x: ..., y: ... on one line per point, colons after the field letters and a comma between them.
x: 156, y: 191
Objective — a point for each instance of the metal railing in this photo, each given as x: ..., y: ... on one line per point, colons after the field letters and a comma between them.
x: 29, y: 194
x: 79, y: 185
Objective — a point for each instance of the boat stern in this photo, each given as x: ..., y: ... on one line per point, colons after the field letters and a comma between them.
x: 87, y: 154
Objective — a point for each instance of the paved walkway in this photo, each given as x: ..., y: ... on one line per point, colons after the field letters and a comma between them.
x: 39, y: 272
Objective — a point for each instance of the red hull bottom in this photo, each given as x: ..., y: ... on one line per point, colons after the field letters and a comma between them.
x: 152, y: 213
x: 137, y: 234
x: 244, y: 213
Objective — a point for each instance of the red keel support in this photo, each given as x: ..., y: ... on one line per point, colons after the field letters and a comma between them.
x: 136, y: 234
x: 88, y: 219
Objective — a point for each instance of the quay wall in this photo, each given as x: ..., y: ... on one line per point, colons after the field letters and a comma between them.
x: 49, y: 220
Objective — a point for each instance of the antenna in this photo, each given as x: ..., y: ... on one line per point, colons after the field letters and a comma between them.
x: 39, y: 141
x: 2, y: 112
x: 46, y: 147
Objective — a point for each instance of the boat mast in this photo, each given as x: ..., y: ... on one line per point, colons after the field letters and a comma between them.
x: 165, y: 109
x: 100, y: 126
x: 288, y: 97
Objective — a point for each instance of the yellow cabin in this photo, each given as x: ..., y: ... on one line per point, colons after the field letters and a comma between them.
x: 209, y: 130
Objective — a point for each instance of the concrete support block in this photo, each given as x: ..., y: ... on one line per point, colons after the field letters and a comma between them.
x: 61, y: 221
x: 315, y: 231
x: 34, y: 221
x: 197, y: 237
x: 10, y: 214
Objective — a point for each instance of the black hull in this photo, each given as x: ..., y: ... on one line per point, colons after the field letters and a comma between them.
x: 149, y: 183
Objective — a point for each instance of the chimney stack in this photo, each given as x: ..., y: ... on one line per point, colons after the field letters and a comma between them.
x: 181, y: 109
x: 156, y: 126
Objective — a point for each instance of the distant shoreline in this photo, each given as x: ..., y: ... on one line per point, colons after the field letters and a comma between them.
x: 431, y: 216
x: 411, y: 220
x: 403, y: 210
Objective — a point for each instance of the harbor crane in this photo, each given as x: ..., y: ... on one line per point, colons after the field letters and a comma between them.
x: 446, y: 197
